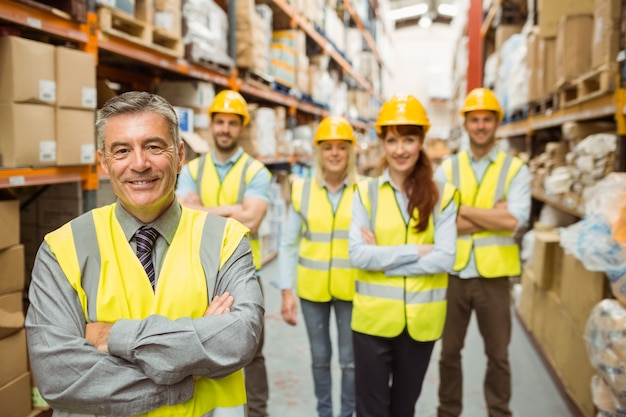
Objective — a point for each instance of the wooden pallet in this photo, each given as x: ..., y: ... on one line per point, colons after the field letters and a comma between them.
x: 123, y: 25
x: 595, y: 83
x: 544, y: 106
x: 214, y: 66
x: 518, y: 115
x: 168, y: 42
x: 118, y: 23
x: 257, y: 78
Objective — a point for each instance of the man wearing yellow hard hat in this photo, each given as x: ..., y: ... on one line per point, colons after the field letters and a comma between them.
x: 495, y: 203
x: 230, y: 183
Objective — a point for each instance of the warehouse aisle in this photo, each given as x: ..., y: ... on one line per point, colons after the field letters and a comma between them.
x: 291, y: 384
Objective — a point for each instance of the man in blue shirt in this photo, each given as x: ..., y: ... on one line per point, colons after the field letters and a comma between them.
x: 230, y: 183
x: 495, y: 203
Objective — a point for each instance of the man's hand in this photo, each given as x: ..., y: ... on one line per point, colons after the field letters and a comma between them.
x: 220, y: 304
x: 368, y: 236
x: 98, y: 334
x: 289, y: 308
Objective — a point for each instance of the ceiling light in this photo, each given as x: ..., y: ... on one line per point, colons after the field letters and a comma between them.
x: 447, y: 9
x: 407, y: 12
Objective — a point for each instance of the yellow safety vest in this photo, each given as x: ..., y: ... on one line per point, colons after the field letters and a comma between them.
x: 215, y: 192
x: 324, y: 268
x: 385, y: 305
x: 121, y: 290
x: 496, y: 252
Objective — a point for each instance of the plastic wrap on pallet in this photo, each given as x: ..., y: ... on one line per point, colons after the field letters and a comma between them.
x: 511, y: 87
x: 491, y: 70
x: 253, y: 35
x: 205, y: 32
x: 606, y: 345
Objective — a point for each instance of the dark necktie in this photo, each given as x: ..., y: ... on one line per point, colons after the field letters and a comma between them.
x: 145, y: 242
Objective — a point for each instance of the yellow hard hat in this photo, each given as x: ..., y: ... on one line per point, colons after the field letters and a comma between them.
x: 402, y: 110
x: 482, y: 99
x: 229, y: 101
x: 334, y: 128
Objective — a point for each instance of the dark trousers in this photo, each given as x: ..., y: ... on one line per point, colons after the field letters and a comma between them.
x: 389, y: 374
x: 490, y: 299
x: 255, y: 375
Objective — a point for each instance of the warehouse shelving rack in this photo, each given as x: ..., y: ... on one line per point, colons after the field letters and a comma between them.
x: 89, y: 38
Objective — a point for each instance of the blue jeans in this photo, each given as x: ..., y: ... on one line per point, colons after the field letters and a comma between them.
x: 317, y: 320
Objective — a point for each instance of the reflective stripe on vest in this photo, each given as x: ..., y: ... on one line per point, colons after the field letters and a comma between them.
x: 324, y: 268
x: 215, y: 192
x: 488, y: 245
x: 384, y: 305
x: 183, y: 289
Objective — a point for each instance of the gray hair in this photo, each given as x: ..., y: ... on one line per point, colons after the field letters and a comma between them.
x: 136, y: 102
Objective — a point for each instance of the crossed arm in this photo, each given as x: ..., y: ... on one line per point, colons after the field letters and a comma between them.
x: 136, y: 366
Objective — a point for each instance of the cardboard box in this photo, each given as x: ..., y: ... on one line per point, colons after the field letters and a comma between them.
x: 195, y: 94
x: 573, y: 46
x: 546, y: 59
x: 185, y: 119
x: 9, y: 220
x: 535, y: 86
x: 56, y: 212
x: 504, y: 32
x: 526, y: 308
x: 127, y: 6
x: 76, y: 78
x: 11, y: 313
x: 76, y: 136
x: 28, y: 135
x: 550, y: 11
x: 547, y: 254
x: 62, y: 191
x: 27, y: 69
x: 580, y: 290
x: 577, y: 371
x: 12, y: 269
x: 13, y: 357
x: 15, y: 397
x: 606, y: 31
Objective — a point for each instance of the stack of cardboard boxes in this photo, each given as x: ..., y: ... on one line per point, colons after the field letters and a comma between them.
x: 47, y: 102
x: 558, y: 294
x: 571, y: 40
x: 15, y: 379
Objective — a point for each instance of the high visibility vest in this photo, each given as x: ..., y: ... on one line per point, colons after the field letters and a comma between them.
x: 496, y: 252
x: 385, y: 305
x: 215, y: 192
x: 324, y: 268
x: 122, y: 290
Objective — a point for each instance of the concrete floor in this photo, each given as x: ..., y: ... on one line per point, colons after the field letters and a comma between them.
x: 291, y: 385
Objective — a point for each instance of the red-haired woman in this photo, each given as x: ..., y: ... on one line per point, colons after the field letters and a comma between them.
x: 402, y: 240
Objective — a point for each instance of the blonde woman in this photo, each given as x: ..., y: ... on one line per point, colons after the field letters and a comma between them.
x: 314, y: 248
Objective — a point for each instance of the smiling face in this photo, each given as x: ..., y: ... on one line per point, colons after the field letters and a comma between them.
x: 142, y: 163
x: 481, y: 127
x: 335, y: 155
x: 226, y: 128
x: 401, y: 152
